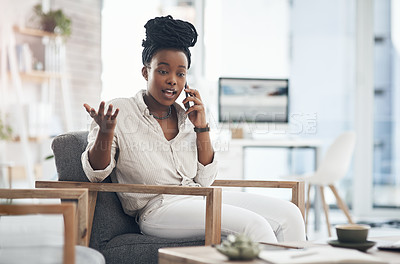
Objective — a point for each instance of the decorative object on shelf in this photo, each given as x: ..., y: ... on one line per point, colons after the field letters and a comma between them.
x: 5, y: 131
x: 54, y: 21
x: 38, y: 65
x: 239, y: 247
x: 24, y: 57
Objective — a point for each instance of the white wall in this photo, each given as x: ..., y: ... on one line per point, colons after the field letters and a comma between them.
x: 255, y: 38
x: 244, y: 39
x: 122, y: 34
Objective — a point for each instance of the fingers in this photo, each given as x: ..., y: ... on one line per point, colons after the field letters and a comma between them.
x: 101, y: 109
x: 194, y: 95
x: 109, y: 112
x: 193, y: 92
x: 196, y: 100
x: 115, y: 114
x: 90, y: 110
x: 100, y: 113
x: 195, y: 108
x: 87, y: 107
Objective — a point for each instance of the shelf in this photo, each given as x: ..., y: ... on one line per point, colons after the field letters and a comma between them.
x: 35, y: 32
x: 37, y: 76
x: 32, y: 139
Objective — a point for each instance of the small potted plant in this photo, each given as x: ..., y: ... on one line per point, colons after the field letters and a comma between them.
x: 5, y: 134
x: 5, y: 131
x: 54, y: 21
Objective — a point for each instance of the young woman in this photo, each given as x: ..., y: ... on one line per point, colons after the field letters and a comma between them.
x: 160, y: 143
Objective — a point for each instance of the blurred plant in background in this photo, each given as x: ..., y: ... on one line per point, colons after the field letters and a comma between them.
x: 5, y: 131
x: 54, y: 21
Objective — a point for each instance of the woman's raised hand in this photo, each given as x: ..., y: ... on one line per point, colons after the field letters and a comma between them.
x: 107, y: 121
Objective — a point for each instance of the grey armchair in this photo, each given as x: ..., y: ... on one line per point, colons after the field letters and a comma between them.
x: 116, y: 235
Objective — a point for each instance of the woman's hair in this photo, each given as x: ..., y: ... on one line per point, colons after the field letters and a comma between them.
x: 167, y: 33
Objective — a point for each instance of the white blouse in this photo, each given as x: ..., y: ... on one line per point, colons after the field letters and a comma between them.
x: 147, y: 157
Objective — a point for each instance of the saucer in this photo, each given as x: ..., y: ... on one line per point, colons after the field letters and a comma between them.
x: 359, y: 246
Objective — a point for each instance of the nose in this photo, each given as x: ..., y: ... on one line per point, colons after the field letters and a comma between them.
x: 171, y: 81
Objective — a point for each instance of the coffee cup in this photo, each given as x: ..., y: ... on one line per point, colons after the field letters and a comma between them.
x: 352, y: 233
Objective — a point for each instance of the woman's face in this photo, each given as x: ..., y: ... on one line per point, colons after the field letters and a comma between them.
x: 166, y: 75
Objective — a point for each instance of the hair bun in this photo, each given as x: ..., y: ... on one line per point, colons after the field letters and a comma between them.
x: 168, y: 32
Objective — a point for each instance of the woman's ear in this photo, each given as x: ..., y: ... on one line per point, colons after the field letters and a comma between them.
x: 145, y: 73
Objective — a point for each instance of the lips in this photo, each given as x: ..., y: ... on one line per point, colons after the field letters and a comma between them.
x: 169, y: 93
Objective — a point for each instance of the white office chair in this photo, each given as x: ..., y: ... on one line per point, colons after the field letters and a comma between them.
x: 332, y: 168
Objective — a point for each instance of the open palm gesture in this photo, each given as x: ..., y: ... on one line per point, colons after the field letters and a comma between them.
x: 106, y: 122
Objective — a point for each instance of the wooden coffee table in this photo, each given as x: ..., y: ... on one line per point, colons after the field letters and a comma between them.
x: 209, y: 255
x: 196, y: 255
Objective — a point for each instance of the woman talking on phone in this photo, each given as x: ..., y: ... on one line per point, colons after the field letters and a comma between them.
x: 160, y: 143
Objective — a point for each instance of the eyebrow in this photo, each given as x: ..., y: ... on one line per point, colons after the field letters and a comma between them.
x: 164, y: 63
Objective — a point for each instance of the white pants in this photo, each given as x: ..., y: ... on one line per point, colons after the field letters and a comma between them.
x: 262, y: 218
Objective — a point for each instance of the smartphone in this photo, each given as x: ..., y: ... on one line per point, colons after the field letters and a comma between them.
x: 391, y: 247
x: 188, y: 104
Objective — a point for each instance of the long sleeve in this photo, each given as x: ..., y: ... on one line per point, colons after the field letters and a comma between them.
x: 206, y: 174
x: 97, y: 175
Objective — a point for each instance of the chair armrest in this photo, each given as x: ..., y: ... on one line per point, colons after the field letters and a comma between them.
x: 68, y: 212
x: 212, y: 194
x: 81, y: 195
x: 296, y: 186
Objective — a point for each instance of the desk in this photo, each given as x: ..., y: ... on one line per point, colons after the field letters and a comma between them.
x: 233, y: 150
x: 231, y: 158
x: 209, y: 255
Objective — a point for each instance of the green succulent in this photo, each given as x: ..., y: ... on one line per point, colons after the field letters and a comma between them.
x: 5, y: 131
x: 54, y: 21
x: 239, y: 247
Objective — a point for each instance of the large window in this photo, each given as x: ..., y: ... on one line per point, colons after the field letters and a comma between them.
x: 386, y: 177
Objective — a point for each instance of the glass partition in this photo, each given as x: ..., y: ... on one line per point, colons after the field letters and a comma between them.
x: 386, y: 177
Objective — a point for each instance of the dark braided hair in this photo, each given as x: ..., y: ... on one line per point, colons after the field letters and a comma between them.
x: 166, y: 32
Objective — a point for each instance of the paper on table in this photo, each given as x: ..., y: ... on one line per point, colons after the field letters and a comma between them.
x: 319, y: 255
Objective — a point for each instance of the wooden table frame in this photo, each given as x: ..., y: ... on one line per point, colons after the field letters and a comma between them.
x: 213, y: 196
x: 81, y: 195
x: 68, y: 212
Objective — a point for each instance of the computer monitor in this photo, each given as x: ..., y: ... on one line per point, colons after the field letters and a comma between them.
x: 253, y: 100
